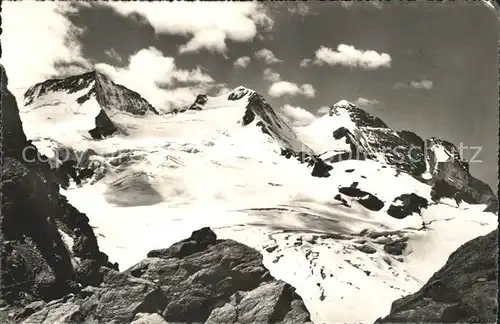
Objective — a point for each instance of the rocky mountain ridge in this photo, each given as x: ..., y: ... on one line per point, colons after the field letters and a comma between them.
x: 433, y: 161
x: 81, y: 90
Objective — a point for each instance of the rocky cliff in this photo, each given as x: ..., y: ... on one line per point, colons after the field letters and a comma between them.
x: 464, y: 290
x: 36, y: 220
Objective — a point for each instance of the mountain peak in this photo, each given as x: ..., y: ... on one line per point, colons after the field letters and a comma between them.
x: 92, y: 84
x: 343, y: 104
x: 239, y: 92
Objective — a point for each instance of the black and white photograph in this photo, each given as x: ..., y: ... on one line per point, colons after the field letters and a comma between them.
x: 320, y: 162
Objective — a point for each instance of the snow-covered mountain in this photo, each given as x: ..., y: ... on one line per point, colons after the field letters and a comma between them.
x: 359, y: 135
x: 373, y: 219
x: 86, y: 101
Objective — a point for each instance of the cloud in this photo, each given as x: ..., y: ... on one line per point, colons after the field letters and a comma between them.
x: 39, y: 42
x: 350, y: 4
x: 157, y: 78
x: 270, y: 75
x: 348, y: 55
x: 112, y: 53
x: 308, y: 90
x: 423, y: 85
x: 285, y: 88
x: 207, y: 24
x: 267, y: 56
x: 301, y: 9
x: 242, y: 62
x: 363, y: 102
x: 323, y: 110
x: 305, y: 62
x: 297, y: 116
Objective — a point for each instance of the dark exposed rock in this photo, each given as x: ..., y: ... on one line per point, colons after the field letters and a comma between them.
x: 321, y: 169
x: 364, y: 198
x: 248, y: 117
x: 365, y: 248
x: 36, y: 262
x: 238, y: 93
x: 342, y: 200
x: 199, y: 102
x: 395, y: 248
x: 199, y: 241
x: 200, y: 279
x: 412, y: 138
x: 373, y: 135
x: 464, y: 290
x: 452, y: 178
x: 14, y: 142
x: 103, y: 126
x: 33, y: 250
x: 219, y: 281
x: 407, y: 204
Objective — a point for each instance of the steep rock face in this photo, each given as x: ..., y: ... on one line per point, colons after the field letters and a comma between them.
x: 36, y: 220
x: 276, y: 125
x: 200, y: 279
x: 439, y: 150
x: 14, y: 142
x: 367, y: 137
x: 358, y: 135
x: 201, y: 100
x: 451, y: 177
x: 464, y: 290
x: 33, y: 250
x: 115, y: 96
x: 104, y: 127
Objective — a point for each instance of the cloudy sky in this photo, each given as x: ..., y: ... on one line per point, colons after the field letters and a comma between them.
x: 427, y: 67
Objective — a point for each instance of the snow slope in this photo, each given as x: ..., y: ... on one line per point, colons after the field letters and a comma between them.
x: 219, y: 165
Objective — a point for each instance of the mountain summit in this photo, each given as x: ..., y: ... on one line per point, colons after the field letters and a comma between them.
x: 349, y: 132
x: 92, y: 95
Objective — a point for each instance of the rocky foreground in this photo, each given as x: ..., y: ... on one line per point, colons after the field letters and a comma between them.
x: 200, y: 279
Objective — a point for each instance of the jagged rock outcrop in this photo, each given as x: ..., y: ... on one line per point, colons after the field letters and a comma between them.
x: 433, y: 161
x: 200, y: 279
x: 200, y: 100
x: 451, y: 177
x: 370, y: 138
x: 35, y: 222
x: 406, y: 205
x: 464, y: 290
x: 104, y: 127
x: 35, y: 259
